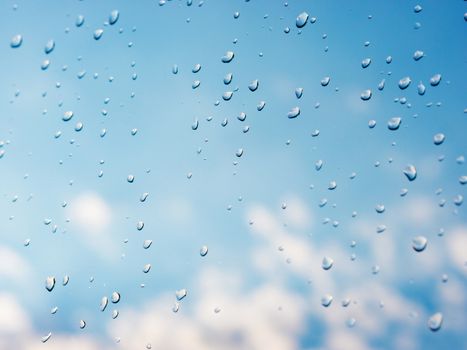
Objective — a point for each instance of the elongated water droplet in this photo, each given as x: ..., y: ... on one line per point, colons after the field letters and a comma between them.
x: 103, y: 303
x: 46, y: 337
x: 49, y: 46
x: 195, y: 84
x: 404, y: 83
x: 195, y: 125
x: 394, y: 123
x: 147, y: 243
x: 301, y: 20
x: 228, y: 78
x: 146, y: 268
x: 327, y: 263
x: 113, y: 17
x: 239, y: 152
x: 50, y: 283
x: 410, y: 172
x: 381, y: 85
x: 16, y: 41
x: 196, y: 68
x: 139, y: 225
x: 293, y: 113
x: 228, y: 57
x: 66, y: 279
x: 143, y: 197
x: 261, y: 106
x: 115, y: 297
x: 419, y: 243
x: 435, y: 321
x: 54, y: 310
x: 79, y: 20
x: 67, y: 116
x: 203, y: 251
x: 421, y: 89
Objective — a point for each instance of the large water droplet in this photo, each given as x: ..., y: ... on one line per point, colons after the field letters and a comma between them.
x: 98, y: 34
x: 410, y: 172
x: 50, y: 283
x: 301, y: 20
x: 435, y: 321
x: 115, y: 297
x: 365, y: 95
x: 147, y: 243
x: 293, y: 113
x: 180, y: 294
x: 435, y: 80
x: 49, y: 46
x: 327, y: 263
x: 326, y: 300
x: 113, y: 17
x: 103, y: 303
x: 366, y: 62
x: 253, y: 85
x: 239, y: 152
x: 404, y: 83
x: 394, y: 123
x: 419, y: 243
x: 229, y: 55
x: 146, y: 268
x: 16, y: 41
x: 421, y: 89
x: 299, y: 92
x: 79, y: 20
x: 438, y: 139
x: 228, y: 78
x: 325, y: 81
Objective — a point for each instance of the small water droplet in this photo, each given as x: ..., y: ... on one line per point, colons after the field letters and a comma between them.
x: 103, y: 303
x: 228, y: 78
x: 366, y: 62
x: 115, y: 297
x: 326, y: 300
x: 79, y: 20
x: 46, y: 337
x: 253, y: 85
x: 298, y: 92
x: 49, y: 46
x: 417, y: 55
x: 180, y: 294
x: 404, y: 83
x: 438, y: 139
x: 82, y: 324
x: 146, y: 268
x: 239, y: 152
x: 66, y: 279
x: 366, y: 95
x: 147, y: 243
x: 98, y: 34
x: 325, y: 81
x: 435, y: 80
x: 139, y: 225
x: 67, y: 116
x: 130, y: 178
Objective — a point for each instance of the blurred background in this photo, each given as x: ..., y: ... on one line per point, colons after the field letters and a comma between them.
x: 233, y: 174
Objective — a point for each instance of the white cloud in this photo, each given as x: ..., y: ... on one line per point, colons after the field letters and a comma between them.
x: 12, y: 265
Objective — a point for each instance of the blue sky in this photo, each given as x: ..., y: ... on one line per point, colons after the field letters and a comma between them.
x: 261, y: 283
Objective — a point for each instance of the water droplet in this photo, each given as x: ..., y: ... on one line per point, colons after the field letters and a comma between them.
x: 82, y: 324
x: 228, y: 78
x: 435, y: 321
x: 147, y: 243
x: 365, y: 95
x: 224, y: 122
x: 438, y: 139
x: 394, y: 123
x: 463, y: 179
x: 66, y: 279
x: 419, y: 243
x: 54, y: 310
x: 50, y: 283
x: 239, y: 152
x: 130, y: 178
x: 326, y: 300
x: 253, y: 85
x: 180, y: 294
x: 226, y: 96
x: 260, y: 106
x: 371, y: 123
x: 115, y: 297
x: 366, y: 62
x: 421, y: 89
x: 351, y: 322
x: 79, y: 20
x: 143, y: 197
x: 458, y: 200
x: 103, y: 304
x: 435, y: 80
x: 327, y: 263
x: 242, y: 116
x: 381, y: 85
x: 332, y: 185
x: 299, y: 92
x: 380, y: 208
x: 380, y: 228
x: 417, y: 8
x: 404, y: 83
x: 388, y: 59
x: 115, y: 314
x: 67, y: 116
x: 16, y: 41
x: 319, y: 164
x: 229, y: 55
x: 46, y: 337
x: 203, y: 251
x: 195, y: 84
x: 195, y: 125
x: 146, y: 268
x: 410, y: 172
x: 301, y: 20
x: 325, y: 81
x: 140, y: 225
x: 49, y: 46
x: 98, y: 34
x: 417, y: 55
x: 113, y: 17
x: 293, y: 113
